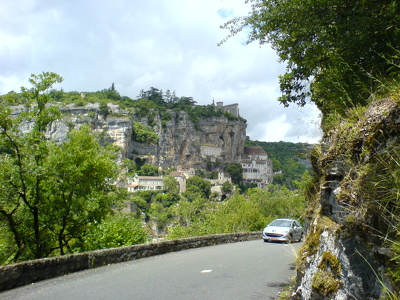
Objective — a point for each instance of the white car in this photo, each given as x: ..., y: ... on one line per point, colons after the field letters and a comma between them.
x: 283, y: 230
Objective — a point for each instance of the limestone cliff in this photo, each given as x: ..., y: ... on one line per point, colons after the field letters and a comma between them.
x: 353, y: 214
x: 180, y: 140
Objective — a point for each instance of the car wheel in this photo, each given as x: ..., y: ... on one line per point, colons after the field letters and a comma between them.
x: 290, y: 239
x: 265, y: 240
x: 301, y: 237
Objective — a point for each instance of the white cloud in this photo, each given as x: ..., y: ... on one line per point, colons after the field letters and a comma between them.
x: 167, y: 44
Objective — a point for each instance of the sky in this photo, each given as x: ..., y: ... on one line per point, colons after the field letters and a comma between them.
x: 165, y: 44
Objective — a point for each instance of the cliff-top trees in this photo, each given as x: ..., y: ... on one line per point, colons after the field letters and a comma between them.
x: 337, y: 51
x: 49, y: 192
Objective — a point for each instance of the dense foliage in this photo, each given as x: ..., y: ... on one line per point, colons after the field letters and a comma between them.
x: 235, y: 170
x: 50, y: 193
x: 197, y: 186
x: 337, y: 51
x: 116, y: 231
x: 154, y: 101
x: 143, y: 134
x: 239, y: 213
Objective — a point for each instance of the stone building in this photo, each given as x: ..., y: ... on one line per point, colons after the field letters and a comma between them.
x: 187, y: 170
x: 231, y: 108
x: 257, y: 167
x: 210, y: 151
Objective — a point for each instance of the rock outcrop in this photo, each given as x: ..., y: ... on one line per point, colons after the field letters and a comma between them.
x: 352, y: 217
x: 179, y: 142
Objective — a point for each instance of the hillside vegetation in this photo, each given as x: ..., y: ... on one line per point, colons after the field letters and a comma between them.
x: 147, y: 103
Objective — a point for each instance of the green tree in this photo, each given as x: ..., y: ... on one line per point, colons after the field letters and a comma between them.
x: 154, y: 95
x: 48, y: 191
x: 129, y: 166
x: 196, y: 185
x: 78, y: 191
x: 237, y: 215
x: 227, y: 187
x: 143, y: 200
x: 104, y: 110
x: 116, y: 230
x: 160, y: 214
x: 171, y: 186
x: 190, y: 216
x: 337, y: 51
x: 278, y: 202
x: 144, y: 134
x: 148, y: 170
x: 22, y: 174
x: 235, y: 170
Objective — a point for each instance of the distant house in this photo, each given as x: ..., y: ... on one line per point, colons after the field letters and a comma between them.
x: 222, y: 177
x: 217, y: 183
x: 210, y: 151
x: 187, y: 170
x: 145, y: 183
x: 257, y: 167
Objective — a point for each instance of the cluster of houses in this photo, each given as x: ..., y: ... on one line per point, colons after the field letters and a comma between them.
x: 257, y: 169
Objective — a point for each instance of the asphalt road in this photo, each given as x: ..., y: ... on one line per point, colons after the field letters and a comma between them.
x: 246, y: 270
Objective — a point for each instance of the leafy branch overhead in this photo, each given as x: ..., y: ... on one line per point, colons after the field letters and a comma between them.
x: 337, y: 51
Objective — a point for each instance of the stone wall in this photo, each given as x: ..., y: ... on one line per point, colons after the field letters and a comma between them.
x: 15, y: 275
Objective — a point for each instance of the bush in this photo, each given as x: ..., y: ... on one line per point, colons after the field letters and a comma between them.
x: 144, y: 134
x: 115, y: 231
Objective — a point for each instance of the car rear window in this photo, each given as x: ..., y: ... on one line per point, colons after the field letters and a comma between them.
x: 281, y: 223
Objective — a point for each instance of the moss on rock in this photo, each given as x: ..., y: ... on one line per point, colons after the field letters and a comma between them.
x: 327, y: 279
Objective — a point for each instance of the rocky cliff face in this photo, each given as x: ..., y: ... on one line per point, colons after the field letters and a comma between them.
x: 179, y: 139
x: 353, y: 209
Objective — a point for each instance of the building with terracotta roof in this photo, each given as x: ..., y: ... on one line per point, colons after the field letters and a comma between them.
x: 257, y: 167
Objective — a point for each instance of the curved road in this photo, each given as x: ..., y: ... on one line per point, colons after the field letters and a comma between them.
x: 247, y: 270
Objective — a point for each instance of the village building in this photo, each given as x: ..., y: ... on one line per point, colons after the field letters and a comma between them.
x: 257, y: 167
x: 187, y: 170
x: 145, y: 183
x: 231, y: 108
x: 222, y: 177
x: 217, y: 183
x: 210, y: 151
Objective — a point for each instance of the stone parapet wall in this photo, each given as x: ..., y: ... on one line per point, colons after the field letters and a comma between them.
x: 15, y: 275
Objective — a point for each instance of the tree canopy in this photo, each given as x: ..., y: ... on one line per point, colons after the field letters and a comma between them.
x: 198, y: 185
x: 235, y: 170
x: 49, y: 192
x: 337, y: 51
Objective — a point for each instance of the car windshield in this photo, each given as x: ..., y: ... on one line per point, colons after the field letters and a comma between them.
x: 281, y: 223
